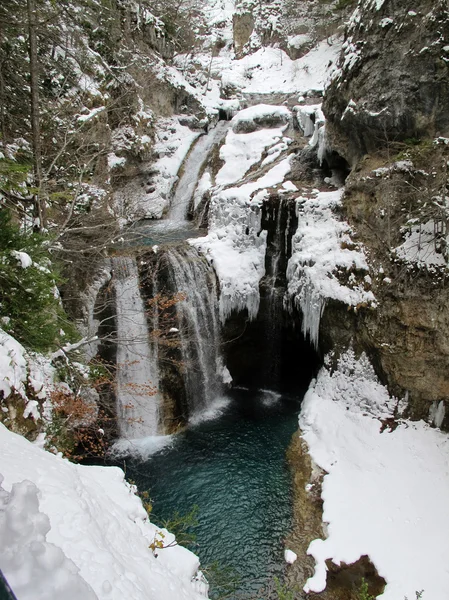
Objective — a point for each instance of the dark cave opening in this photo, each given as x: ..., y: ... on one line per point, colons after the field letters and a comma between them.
x: 335, y: 166
x: 224, y: 115
x: 269, y: 353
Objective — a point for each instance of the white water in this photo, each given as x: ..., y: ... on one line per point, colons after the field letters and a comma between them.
x: 191, y: 171
x: 137, y: 371
x: 198, y: 324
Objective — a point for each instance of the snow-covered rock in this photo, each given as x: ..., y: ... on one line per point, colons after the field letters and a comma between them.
x: 72, y: 531
x: 321, y: 248
x: 236, y: 245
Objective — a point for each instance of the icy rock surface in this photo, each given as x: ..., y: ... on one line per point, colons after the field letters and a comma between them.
x: 236, y: 245
x: 72, y: 531
x: 322, y: 247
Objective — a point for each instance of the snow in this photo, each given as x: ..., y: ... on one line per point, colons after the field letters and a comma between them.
x: 385, y: 493
x: 72, y: 531
x: 25, y: 374
x: 244, y: 150
x: 290, y: 556
x: 34, y: 567
x: 235, y: 244
x: 321, y: 249
x: 419, y: 247
x: 297, y: 41
x: 271, y: 70
x: 13, y: 366
x: 91, y: 114
x: 24, y: 259
x: 115, y: 161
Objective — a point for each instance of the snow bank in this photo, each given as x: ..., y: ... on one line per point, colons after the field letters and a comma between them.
x: 385, y: 494
x: 13, y: 366
x: 236, y: 245
x: 242, y: 151
x: 24, y: 259
x: 27, y: 374
x: 321, y: 250
x: 271, y: 70
x: 74, y: 531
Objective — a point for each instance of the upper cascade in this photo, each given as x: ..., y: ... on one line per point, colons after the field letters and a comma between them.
x: 191, y: 170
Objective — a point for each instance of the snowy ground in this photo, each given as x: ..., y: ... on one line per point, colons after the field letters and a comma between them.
x: 385, y: 494
x: 71, y: 532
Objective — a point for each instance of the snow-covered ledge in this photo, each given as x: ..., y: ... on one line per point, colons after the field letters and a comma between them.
x: 385, y: 493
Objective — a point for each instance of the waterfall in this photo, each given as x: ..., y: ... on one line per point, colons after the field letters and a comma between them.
x: 279, y: 219
x: 191, y: 171
x: 137, y: 372
x: 198, y: 324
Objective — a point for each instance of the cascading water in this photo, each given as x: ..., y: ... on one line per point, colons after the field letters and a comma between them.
x: 275, y: 295
x: 198, y: 324
x: 137, y: 372
x: 191, y: 171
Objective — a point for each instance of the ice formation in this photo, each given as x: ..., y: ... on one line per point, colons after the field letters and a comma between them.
x: 321, y: 249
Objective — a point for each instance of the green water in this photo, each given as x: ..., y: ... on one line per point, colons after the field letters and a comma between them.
x: 234, y: 468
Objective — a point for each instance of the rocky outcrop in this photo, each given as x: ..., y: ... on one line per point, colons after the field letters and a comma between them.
x: 390, y: 207
x: 242, y: 28
x: 393, y: 77
x: 344, y: 581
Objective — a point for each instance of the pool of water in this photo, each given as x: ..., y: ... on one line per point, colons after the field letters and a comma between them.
x: 164, y: 231
x: 234, y: 468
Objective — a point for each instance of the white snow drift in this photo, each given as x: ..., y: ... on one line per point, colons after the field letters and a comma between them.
x: 386, y: 493
x: 71, y: 531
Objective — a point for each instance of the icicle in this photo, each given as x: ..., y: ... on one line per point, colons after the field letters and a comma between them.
x: 312, y: 307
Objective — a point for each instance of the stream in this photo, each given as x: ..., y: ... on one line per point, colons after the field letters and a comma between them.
x: 232, y: 465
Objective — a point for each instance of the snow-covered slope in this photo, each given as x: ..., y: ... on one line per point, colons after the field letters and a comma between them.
x: 71, y: 531
x: 385, y: 493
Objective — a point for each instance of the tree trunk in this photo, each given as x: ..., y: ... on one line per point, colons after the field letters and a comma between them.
x: 35, y: 118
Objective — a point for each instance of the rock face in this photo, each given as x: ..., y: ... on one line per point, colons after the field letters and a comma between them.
x: 393, y: 77
x: 386, y: 112
x: 406, y: 336
x: 242, y: 27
